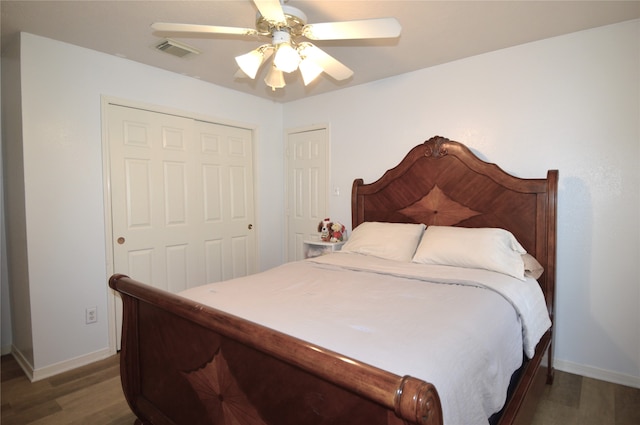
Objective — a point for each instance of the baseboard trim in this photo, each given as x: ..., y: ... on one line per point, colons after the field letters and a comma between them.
x: 596, y: 373
x: 55, y: 369
x: 24, y: 364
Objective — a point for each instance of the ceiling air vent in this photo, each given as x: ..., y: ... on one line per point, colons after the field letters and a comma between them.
x: 176, y: 49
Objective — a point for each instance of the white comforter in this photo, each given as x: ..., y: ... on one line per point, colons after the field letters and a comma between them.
x: 463, y: 330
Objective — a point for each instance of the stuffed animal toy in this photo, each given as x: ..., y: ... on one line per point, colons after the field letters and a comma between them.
x: 337, y: 232
x: 324, y: 228
x: 330, y: 231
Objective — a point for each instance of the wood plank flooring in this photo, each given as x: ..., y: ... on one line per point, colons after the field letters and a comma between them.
x: 88, y: 395
x: 92, y: 395
x: 577, y: 400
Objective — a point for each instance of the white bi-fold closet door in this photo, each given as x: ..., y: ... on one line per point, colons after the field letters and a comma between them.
x: 182, y: 201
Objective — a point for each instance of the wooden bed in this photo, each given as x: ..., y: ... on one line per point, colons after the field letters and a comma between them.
x: 185, y: 363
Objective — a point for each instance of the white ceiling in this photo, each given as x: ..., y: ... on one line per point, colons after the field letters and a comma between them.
x: 433, y: 32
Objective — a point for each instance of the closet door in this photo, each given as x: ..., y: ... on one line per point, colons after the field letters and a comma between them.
x: 181, y: 194
x: 225, y: 187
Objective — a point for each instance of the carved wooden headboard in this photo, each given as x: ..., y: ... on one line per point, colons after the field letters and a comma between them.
x: 442, y: 182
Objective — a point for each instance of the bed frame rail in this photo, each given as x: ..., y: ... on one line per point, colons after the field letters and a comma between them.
x: 229, y: 370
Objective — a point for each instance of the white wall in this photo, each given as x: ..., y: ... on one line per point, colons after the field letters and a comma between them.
x: 570, y: 103
x: 62, y: 87
x: 14, y: 212
x: 6, y: 336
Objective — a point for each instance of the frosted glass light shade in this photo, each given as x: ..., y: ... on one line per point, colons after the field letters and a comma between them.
x: 309, y: 70
x: 274, y: 78
x: 250, y: 62
x: 286, y: 59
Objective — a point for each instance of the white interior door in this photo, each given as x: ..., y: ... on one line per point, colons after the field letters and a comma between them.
x: 181, y: 200
x: 307, y: 187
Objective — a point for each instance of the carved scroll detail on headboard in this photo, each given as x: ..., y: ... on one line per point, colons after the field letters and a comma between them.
x: 436, y: 208
x: 435, y: 148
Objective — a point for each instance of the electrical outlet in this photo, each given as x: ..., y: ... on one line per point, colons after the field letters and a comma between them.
x: 91, y: 315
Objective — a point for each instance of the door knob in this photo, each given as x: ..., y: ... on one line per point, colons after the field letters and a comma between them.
x: 250, y: 226
x: 120, y: 240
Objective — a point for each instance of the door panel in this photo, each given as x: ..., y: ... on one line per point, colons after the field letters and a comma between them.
x: 137, y: 176
x: 175, y: 194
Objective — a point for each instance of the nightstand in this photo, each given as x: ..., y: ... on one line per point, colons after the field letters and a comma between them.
x: 315, y: 248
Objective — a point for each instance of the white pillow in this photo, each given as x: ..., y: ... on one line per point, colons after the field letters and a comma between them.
x: 479, y: 248
x: 393, y: 241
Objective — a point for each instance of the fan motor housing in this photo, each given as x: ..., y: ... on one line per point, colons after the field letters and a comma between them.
x: 296, y: 20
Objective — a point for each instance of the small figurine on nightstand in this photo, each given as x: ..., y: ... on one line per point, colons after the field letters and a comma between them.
x: 331, y: 231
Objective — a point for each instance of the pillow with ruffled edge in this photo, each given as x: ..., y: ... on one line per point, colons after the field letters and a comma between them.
x: 486, y: 248
x: 393, y: 241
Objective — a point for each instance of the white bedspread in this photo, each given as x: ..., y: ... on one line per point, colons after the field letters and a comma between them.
x: 461, y: 329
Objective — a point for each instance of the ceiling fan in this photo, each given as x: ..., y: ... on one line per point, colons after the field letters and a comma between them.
x: 287, y: 27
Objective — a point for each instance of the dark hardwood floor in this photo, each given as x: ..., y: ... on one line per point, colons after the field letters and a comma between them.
x: 88, y: 395
x: 92, y: 395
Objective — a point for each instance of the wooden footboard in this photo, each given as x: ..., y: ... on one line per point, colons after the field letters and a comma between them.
x: 185, y: 363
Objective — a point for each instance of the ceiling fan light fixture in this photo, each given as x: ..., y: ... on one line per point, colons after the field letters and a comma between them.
x: 275, y: 78
x: 287, y: 25
x: 251, y: 62
x: 309, y: 70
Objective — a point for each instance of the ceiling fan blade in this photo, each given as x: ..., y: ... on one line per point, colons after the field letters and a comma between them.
x: 329, y: 64
x: 271, y: 10
x: 201, y: 29
x: 351, y: 30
